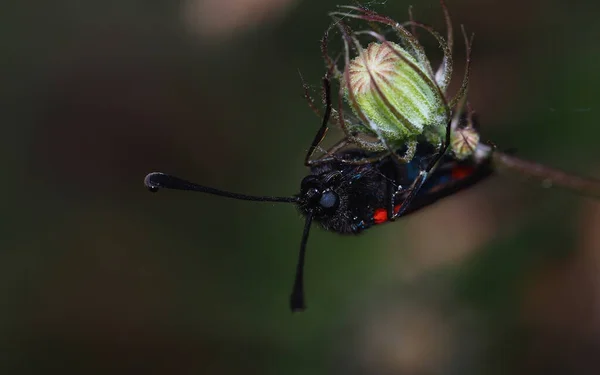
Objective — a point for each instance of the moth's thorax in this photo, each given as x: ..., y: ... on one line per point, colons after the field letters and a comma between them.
x: 343, y: 198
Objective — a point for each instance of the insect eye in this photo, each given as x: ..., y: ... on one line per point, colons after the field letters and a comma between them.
x: 329, y: 200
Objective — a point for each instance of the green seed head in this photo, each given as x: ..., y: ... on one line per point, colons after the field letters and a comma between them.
x: 388, y: 82
x: 394, y: 92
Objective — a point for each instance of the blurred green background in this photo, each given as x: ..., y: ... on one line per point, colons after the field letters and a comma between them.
x: 100, y: 277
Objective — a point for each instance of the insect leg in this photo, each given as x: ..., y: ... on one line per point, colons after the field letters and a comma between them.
x: 391, y: 176
x: 420, y: 180
x: 358, y: 161
x: 323, y: 129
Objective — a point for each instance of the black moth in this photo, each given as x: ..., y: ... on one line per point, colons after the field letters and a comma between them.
x: 351, y: 190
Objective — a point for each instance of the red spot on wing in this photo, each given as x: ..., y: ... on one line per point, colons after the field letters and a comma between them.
x: 380, y: 216
x: 461, y: 172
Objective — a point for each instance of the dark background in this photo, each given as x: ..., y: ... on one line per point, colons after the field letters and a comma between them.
x: 97, y: 276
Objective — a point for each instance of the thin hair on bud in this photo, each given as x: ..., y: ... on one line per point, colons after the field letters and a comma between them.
x: 449, y: 28
x: 403, y: 33
x: 462, y: 91
x: 413, y: 29
x: 446, y: 67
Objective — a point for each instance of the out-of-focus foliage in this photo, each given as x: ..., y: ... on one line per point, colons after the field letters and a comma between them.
x: 99, y: 276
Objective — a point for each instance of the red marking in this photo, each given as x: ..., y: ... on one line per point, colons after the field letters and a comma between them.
x: 461, y: 172
x: 380, y: 216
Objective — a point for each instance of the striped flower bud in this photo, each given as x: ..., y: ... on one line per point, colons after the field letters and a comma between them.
x: 393, y: 91
x: 388, y: 82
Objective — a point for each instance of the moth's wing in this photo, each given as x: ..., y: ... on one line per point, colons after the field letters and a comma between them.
x: 450, y: 176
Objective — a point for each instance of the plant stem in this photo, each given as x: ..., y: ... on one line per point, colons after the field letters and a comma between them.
x: 549, y: 176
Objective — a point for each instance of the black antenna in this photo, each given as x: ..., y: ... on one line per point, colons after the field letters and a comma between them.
x: 297, y: 302
x: 157, y: 180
